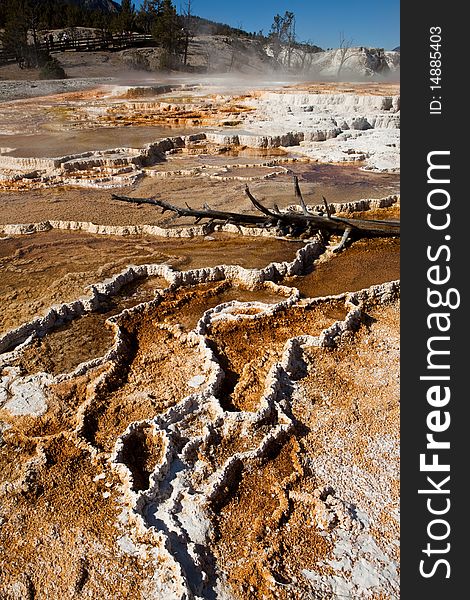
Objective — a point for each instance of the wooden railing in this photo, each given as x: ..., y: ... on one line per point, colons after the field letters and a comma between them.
x: 88, y: 44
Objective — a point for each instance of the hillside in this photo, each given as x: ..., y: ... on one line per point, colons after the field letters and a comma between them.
x: 106, y: 6
x: 213, y: 48
x: 222, y: 54
x: 209, y: 54
x: 338, y: 63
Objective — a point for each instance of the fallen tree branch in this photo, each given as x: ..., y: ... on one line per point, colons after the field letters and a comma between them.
x: 289, y: 222
x: 260, y: 207
x: 198, y: 214
x: 344, y: 240
x: 298, y: 195
x: 362, y: 227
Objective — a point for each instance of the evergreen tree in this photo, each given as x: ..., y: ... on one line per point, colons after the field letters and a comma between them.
x: 3, y: 13
x: 73, y: 16
x: 167, y: 30
x: 148, y: 14
x: 125, y: 20
x: 15, y: 35
x: 23, y: 20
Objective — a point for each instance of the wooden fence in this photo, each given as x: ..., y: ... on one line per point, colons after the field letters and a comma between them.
x: 87, y: 44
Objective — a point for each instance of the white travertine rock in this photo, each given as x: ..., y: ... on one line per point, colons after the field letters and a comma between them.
x: 307, y: 122
x: 24, y: 396
x: 378, y: 148
x: 175, y: 510
x: 196, y: 381
x: 115, y: 167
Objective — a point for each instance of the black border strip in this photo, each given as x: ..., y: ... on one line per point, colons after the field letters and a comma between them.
x: 425, y: 131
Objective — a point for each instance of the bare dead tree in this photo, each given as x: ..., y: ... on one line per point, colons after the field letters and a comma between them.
x: 289, y: 222
x: 305, y: 53
x: 290, y: 37
x: 282, y: 34
x: 346, y: 51
x: 188, y: 34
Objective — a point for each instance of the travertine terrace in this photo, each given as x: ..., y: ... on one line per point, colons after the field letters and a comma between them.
x: 191, y: 411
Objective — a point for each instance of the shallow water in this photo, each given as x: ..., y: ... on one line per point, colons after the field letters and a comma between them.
x: 246, y: 172
x: 60, y: 143
x: 365, y: 263
x: 87, y: 337
x: 343, y: 183
x: 189, y: 315
x: 52, y: 267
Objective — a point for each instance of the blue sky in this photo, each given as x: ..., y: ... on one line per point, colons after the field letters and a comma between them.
x: 367, y: 22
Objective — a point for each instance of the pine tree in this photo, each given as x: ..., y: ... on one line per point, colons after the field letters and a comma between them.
x: 167, y: 29
x: 125, y: 20
x: 148, y: 14
x: 23, y: 20
x: 15, y: 35
x: 169, y: 34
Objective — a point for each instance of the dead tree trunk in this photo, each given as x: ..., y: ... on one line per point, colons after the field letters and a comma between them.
x: 198, y: 214
x: 289, y: 222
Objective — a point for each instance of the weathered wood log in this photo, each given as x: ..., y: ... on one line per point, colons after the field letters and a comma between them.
x: 198, y: 214
x: 344, y: 240
x: 289, y: 221
x: 358, y: 227
x: 298, y: 194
